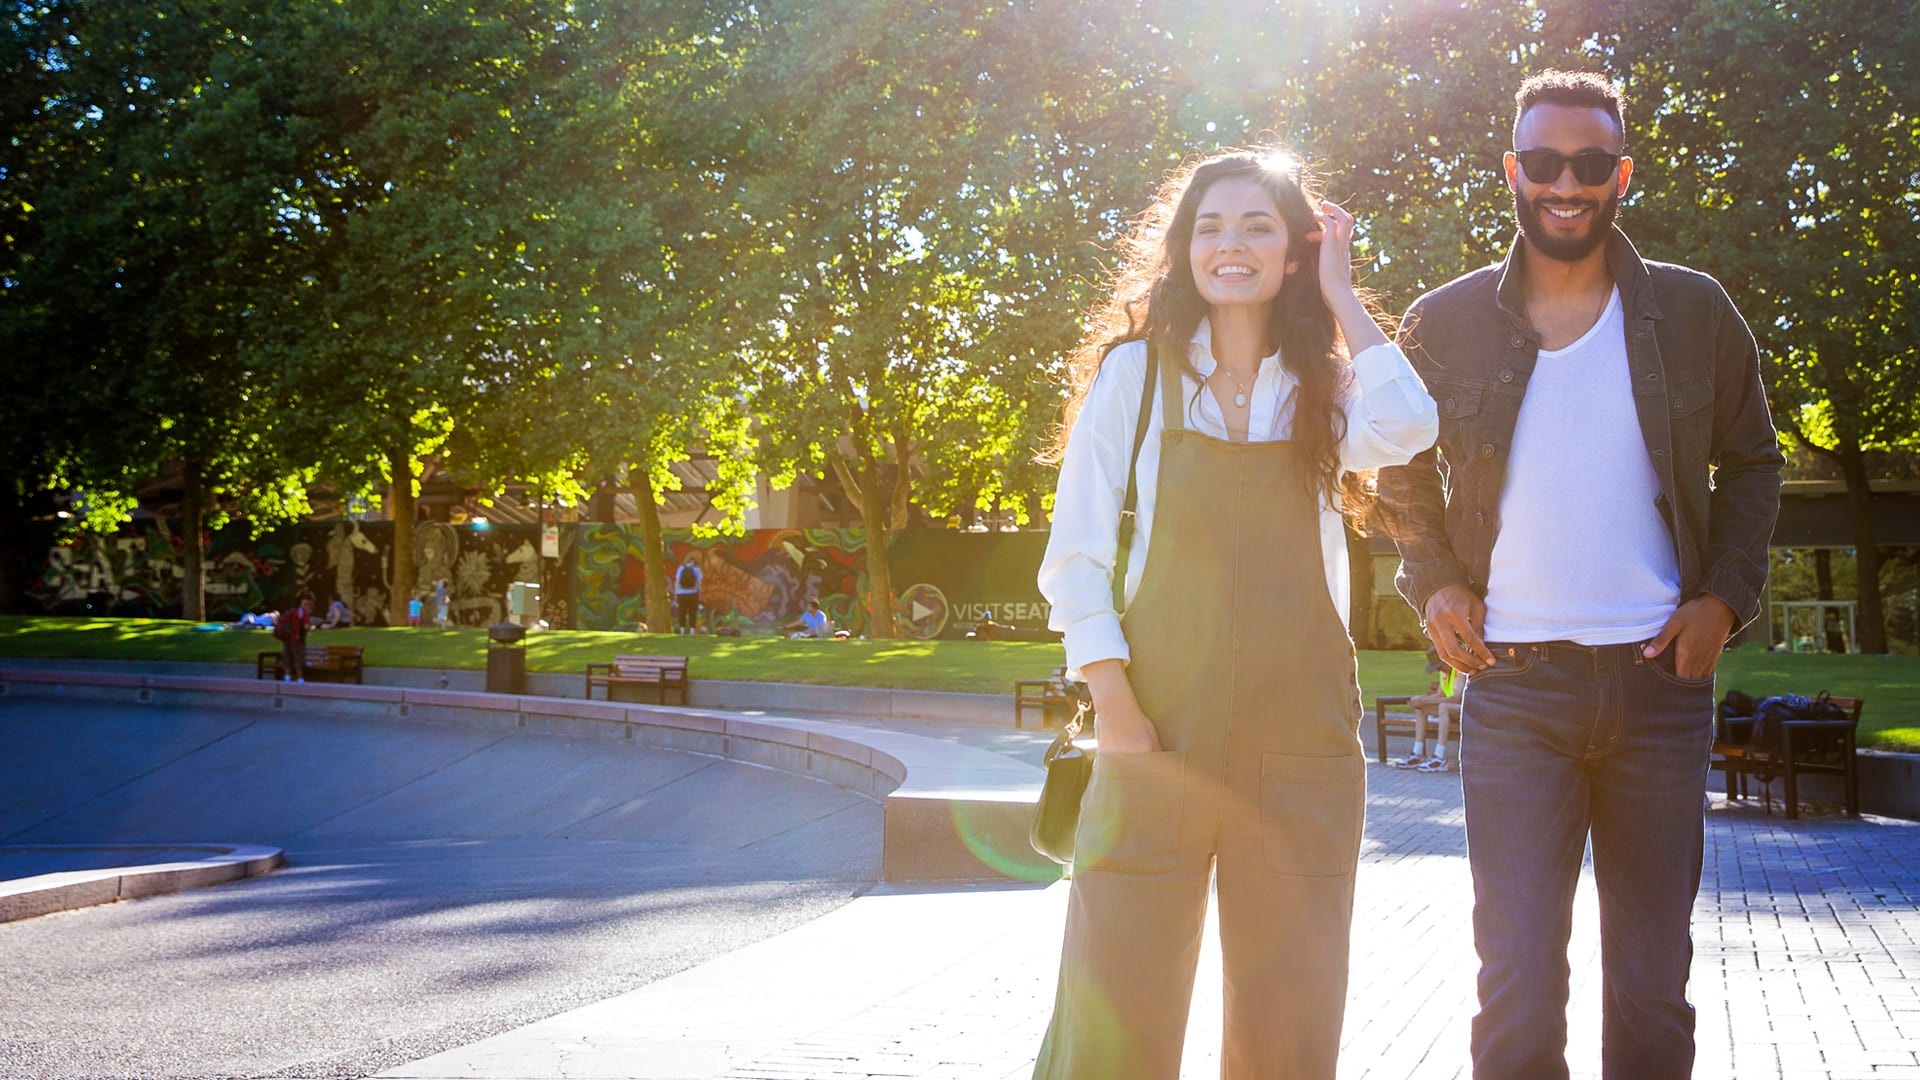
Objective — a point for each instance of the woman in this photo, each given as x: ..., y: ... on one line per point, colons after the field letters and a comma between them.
x: 1226, y: 695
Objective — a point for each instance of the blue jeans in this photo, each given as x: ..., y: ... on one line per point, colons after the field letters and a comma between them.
x: 1560, y: 741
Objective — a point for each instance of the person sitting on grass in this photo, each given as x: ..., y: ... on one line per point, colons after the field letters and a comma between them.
x: 1442, y: 699
x: 339, y: 615
x: 812, y: 623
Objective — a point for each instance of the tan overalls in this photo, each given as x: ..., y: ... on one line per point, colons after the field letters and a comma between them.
x: 1247, y: 673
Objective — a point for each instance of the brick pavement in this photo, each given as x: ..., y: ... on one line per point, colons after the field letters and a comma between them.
x: 1806, y: 967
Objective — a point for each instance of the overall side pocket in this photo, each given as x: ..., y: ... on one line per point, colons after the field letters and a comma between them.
x: 1312, y: 810
x: 1131, y: 818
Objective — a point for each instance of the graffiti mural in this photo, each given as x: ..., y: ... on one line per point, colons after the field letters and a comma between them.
x: 944, y: 581
x: 139, y: 571
x: 759, y: 580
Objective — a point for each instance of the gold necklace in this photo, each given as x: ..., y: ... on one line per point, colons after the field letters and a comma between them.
x: 1239, y: 391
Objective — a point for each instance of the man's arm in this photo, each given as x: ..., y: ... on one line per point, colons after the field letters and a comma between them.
x: 1413, y: 505
x: 1746, y: 481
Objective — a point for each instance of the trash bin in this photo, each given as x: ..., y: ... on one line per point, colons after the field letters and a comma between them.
x: 506, y: 659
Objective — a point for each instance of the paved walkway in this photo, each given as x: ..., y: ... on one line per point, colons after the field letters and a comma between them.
x: 1806, y: 966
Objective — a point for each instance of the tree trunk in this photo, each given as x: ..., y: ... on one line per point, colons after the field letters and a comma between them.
x: 865, y: 492
x: 400, y: 506
x: 1823, y: 590
x: 14, y: 547
x: 193, y: 513
x: 902, y: 482
x: 1871, y: 621
x: 653, y: 550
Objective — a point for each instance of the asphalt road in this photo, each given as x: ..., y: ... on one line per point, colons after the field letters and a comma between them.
x: 444, y: 884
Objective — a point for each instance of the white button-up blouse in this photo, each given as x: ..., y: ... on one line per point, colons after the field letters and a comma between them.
x: 1390, y: 418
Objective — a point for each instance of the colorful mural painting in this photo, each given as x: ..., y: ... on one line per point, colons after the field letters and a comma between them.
x: 945, y: 581
x: 755, y: 581
x: 138, y: 572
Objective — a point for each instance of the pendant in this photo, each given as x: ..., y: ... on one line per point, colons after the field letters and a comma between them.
x: 1240, y: 400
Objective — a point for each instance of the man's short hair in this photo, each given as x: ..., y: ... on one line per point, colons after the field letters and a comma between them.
x: 1576, y: 89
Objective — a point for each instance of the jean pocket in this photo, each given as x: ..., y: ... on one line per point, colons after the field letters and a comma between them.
x: 1312, y: 810
x: 1664, y: 666
x: 1508, y: 660
x: 1130, y: 820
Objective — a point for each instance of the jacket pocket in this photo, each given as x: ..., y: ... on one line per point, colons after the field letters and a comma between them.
x: 1312, y: 810
x: 1130, y: 820
x: 1690, y: 418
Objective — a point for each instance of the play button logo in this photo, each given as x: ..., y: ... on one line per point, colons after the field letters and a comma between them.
x: 922, y: 611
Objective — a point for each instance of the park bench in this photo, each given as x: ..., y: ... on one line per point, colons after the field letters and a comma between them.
x: 1054, y: 697
x: 1400, y: 721
x: 325, y: 663
x: 1806, y: 746
x: 662, y: 673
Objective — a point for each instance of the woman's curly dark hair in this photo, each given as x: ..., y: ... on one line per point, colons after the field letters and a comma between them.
x: 1150, y: 295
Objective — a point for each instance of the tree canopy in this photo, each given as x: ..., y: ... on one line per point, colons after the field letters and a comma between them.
x: 559, y: 244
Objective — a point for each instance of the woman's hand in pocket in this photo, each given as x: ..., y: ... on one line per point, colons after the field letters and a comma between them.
x: 1120, y: 722
x: 1126, y: 731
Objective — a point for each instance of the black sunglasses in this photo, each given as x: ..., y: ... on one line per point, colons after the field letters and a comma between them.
x: 1591, y: 168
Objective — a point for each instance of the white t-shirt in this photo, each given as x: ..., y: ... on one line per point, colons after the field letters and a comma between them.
x: 1582, y: 554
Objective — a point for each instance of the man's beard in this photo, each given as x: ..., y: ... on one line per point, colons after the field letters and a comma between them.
x: 1571, y: 248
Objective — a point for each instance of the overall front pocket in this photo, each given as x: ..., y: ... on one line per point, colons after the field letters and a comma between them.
x: 1312, y: 810
x: 1130, y: 820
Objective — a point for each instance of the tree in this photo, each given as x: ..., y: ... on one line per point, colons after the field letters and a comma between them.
x: 149, y: 152
x: 606, y: 363
x: 1783, y: 152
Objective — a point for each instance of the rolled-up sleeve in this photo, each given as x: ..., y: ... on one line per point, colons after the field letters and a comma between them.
x: 1390, y: 415
x: 1076, y: 574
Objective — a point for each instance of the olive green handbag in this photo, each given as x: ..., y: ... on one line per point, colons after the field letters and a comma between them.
x: 1069, y: 765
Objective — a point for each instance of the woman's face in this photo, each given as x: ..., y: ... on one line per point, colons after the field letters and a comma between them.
x: 1239, y: 245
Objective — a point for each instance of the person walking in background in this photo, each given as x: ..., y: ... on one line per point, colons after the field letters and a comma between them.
x: 291, y: 629
x: 1589, y: 530
x: 686, y: 595
x: 1224, y: 680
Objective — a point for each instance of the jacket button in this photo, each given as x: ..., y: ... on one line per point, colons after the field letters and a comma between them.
x: 1506, y: 375
x: 1516, y: 341
x: 1652, y: 375
x: 1486, y: 449
x: 1479, y: 518
x: 1677, y: 406
x: 1448, y: 405
x: 1660, y: 452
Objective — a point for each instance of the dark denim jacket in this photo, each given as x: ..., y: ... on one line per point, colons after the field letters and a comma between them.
x: 1702, y: 409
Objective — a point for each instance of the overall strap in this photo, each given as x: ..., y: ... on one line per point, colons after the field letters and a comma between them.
x: 1124, y: 551
x: 1172, y: 391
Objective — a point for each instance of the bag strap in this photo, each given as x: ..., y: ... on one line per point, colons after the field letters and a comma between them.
x: 1127, y: 515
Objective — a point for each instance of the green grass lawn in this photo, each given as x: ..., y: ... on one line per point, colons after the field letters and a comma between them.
x: 1891, y: 684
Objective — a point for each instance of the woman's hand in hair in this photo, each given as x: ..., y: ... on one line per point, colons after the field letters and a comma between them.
x: 1334, y: 234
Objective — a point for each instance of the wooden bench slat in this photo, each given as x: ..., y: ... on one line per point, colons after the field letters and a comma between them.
x: 664, y: 672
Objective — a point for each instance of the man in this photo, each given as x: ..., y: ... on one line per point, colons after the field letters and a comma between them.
x: 686, y: 595
x: 291, y: 628
x: 1440, y: 703
x: 1610, y: 483
x: 812, y: 622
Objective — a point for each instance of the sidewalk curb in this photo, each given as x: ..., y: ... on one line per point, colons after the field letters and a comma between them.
x: 950, y: 812
x: 42, y: 894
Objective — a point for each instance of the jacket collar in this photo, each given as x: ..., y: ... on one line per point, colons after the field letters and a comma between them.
x: 1630, y: 275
